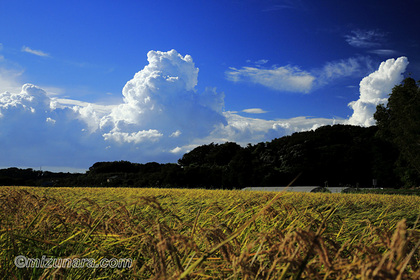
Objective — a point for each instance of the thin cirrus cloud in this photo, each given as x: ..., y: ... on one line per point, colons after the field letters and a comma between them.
x: 371, y: 40
x: 162, y: 116
x: 254, y: 111
x: 34, y: 52
x: 284, y: 78
x: 293, y: 79
x: 384, y: 52
x: 10, y: 79
x: 285, y: 5
x: 353, y: 66
x: 365, y: 38
x: 258, y: 62
x: 261, y: 62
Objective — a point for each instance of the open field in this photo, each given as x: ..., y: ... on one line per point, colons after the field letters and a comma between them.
x: 203, y: 234
x: 412, y: 191
x: 294, y: 189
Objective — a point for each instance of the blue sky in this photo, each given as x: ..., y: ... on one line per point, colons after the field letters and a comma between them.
x: 207, y: 71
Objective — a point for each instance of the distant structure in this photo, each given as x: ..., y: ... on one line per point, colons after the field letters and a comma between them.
x: 294, y: 189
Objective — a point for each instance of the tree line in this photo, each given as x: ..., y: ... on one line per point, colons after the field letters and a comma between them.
x: 385, y: 155
x: 334, y: 155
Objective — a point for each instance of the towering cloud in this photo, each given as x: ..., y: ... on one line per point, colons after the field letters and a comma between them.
x: 160, y: 100
x: 375, y: 89
x: 161, y: 111
x: 162, y: 116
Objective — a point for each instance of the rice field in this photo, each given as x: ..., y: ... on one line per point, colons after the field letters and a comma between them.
x: 209, y: 234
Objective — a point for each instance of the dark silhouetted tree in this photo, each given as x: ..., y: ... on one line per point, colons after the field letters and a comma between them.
x: 399, y: 123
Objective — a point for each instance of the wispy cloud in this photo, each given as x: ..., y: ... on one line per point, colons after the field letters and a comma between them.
x: 34, y: 52
x: 10, y: 80
x: 285, y: 5
x: 285, y: 78
x: 384, y: 52
x: 261, y: 62
x: 254, y: 111
x: 353, y: 66
x: 1, y: 56
x: 258, y: 62
x: 293, y: 79
x: 365, y: 38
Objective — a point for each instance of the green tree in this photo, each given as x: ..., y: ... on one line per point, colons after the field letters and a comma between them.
x: 399, y: 123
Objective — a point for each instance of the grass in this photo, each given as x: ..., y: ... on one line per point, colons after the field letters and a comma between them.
x: 412, y: 191
x: 210, y: 234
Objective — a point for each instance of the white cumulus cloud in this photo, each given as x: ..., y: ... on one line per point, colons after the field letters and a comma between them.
x: 176, y: 150
x: 375, y: 90
x: 30, y: 98
x: 50, y: 120
x: 134, y: 137
x: 176, y: 133
x: 162, y: 116
x: 244, y: 130
x: 162, y: 97
x: 161, y: 110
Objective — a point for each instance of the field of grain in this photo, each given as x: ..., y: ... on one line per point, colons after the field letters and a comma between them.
x: 210, y: 234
